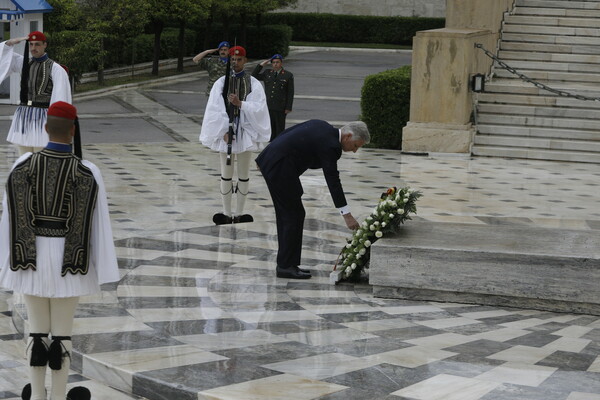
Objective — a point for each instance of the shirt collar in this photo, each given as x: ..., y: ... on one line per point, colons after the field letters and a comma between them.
x: 239, y: 74
x: 40, y: 59
x: 63, y: 147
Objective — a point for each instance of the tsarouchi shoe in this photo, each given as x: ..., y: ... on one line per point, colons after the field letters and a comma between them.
x: 242, y: 218
x: 79, y: 393
x: 222, y: 219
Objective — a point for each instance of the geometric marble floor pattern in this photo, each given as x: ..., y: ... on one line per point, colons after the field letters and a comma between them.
x: 199, y: 314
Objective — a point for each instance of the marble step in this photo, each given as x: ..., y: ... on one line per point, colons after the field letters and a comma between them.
x: 548, y: 77
x: 589, y: 59
x: 514, y: 85
x: 537, y: 121
x: 585, y: 5
x: 532, y: 29
x: 539, y: 111
x: 536, y: 100
x: 550, y: 48
x: 536, y: 154
x: 549, y: 39
x: 528, y: 131
x: 551, y: 66
x: 544, y: 22
x: 538, y: 143
x: 507, y: 265
x: 558, y: 12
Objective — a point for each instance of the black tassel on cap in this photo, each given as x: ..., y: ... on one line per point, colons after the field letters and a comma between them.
x: 39, y: 350
x: 55, y: 353
x: 24, y: 95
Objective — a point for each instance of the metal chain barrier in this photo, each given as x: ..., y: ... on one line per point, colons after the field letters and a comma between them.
x: 525, y: 78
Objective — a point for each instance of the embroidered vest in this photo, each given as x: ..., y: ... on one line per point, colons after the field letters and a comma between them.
x: 51, y: 194
x: 40, y: 82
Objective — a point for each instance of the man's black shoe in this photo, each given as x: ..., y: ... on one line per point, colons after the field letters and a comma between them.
x: 291, y: 273
x: 79, y: 393
x: 306, y: 271
x: 242, y: 218
x: 222, y: 219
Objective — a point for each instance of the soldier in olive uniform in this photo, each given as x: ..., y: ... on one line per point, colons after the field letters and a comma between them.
x: 215, y: 66
x: 279, y: 88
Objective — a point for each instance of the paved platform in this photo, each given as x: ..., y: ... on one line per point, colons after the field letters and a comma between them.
x: 199, y: 313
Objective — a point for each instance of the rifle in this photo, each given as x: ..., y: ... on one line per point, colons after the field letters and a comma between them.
x: 228, y: 108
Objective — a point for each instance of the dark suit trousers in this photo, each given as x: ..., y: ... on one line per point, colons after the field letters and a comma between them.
x: 277, y: 122
x: 286, y: 193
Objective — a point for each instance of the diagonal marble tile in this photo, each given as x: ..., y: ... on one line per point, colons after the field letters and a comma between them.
x: 230, y: 340
x: 518, y: 374
x: 327, y: 336
x: 410, y: 357
x: 83, y: 326
x: 178, y: 314
x: 321, y: 366
x: 278, y: 387
x: 447, y: 387
x: 441, y: 341
x: 161, y: 291
x: 522, y: 354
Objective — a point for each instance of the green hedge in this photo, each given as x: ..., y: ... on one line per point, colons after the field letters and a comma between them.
x: 142, y: 46
x: 79, y: 51
x: 260, y: 42
x: 385, y: 106
x: 313, y: 27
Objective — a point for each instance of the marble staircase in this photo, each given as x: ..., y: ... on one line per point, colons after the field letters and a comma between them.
x: 557, y: 43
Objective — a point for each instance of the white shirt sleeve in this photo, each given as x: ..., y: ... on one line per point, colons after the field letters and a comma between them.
x: 102, y: 247
x: 61, y: 89
x: 10, y: 61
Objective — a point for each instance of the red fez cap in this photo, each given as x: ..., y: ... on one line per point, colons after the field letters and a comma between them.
x: 36, y: 36
x: 237, y: 51
x: 62, y: 110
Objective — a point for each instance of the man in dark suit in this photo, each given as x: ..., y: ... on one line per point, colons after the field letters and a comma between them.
x: 313, y: 144
x: 279, y: 88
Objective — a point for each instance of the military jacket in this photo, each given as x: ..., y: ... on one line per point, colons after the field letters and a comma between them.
x: 216, y: 69
x: 279, y: 88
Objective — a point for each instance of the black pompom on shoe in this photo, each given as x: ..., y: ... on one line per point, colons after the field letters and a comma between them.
x: 26, y: 393
x: 222, y: 219
x: 79, y: 393
x: 242, y: 218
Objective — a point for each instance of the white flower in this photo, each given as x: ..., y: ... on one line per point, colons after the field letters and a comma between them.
x: 369, y: 219
x: 376, y: 223
x: 367, y: 243
x: 406, y: 199
x: 383, y: 224
x: 391, y: 215
x: 362, y: 252
x: 379, y: 234
x: 353, y: 266
x: 390, y: 203
x: 382, y: 213
x: 359, y: 232
x: 349, y: 270
x: 399, y: 211
x: 372, y: 227
x: 348, y: 245
x: 358, y: 256
x: 364, y: 224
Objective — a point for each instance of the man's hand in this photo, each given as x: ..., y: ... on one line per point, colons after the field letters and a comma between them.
x: 351, y: 223
x: 235, y: 100
x: 265, y: 62
x: 12, y: 42
x: 200, y: 56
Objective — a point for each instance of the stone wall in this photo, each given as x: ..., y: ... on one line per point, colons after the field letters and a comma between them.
x: 386, y: 8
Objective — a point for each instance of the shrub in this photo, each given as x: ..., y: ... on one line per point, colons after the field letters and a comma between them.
x: 385, y: 106
x: 313, y: 27
x: 79, y: 51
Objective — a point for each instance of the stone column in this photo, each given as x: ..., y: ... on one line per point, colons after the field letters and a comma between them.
x: 443, y: 62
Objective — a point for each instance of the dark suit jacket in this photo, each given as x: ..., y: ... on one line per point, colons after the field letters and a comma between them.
x: 312, y: 144
x: 279, y: 88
